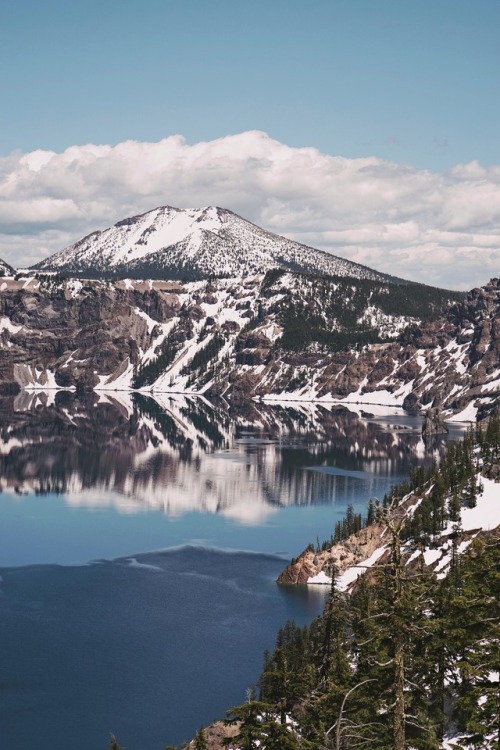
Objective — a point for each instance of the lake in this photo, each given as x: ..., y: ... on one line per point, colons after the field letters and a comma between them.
x: 140, y: 540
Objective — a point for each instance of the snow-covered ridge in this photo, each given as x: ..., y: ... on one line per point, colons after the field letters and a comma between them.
x: 194, y: 243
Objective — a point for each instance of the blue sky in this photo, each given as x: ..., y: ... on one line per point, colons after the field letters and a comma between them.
x: 365, y: 127
x: 411, y: 80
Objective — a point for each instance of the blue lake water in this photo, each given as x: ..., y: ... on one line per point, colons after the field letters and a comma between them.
x: 149, y: 649
x: 139, y: 547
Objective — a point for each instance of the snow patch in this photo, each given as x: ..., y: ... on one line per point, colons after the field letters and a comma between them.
x: 7, y: 325
x: 486, y: 514
x: 468, y: 414
x: 352, y: 574
x: 320, y: 578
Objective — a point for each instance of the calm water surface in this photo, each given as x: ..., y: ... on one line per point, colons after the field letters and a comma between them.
x: 139, y: 544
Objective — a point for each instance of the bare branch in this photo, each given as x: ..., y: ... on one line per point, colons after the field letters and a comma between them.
x: 340, y: 720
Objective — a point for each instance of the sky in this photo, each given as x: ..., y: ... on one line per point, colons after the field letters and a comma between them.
x: 368, y: 128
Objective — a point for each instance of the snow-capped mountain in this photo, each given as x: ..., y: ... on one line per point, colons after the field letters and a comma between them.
x: 5, y: 269
x: 193, y: 244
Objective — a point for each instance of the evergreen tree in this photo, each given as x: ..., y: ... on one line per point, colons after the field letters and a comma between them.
x: 200, y: 741
x: 289, y: 672
x: 334, y: 665
x: 472, y: 622
x: 406, y: 655
x: 249, y: 717
x: 371, y: 513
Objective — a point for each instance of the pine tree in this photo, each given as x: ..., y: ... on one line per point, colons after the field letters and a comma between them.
x: 288, y: 673
x: 334, y: 664
x: 384, y: 666
x: 472, y: 623
x: 249, y: 718
x: 400, y: 619
x: 371, y: 513
x: 278, y: 737
x: 200, y: 741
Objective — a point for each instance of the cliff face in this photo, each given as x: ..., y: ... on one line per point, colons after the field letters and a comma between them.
x: 71, y: 334
x: 282, y: 335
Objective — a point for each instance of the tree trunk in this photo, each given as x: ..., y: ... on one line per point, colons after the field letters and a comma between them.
x: 399, y: 644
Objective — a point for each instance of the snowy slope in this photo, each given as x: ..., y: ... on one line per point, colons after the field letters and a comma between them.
x: 194, y: 243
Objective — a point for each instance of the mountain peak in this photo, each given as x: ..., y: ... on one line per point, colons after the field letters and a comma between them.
x: 194, y: 243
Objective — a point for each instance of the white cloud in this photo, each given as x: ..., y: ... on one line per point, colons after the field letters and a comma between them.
x: 437, y: 228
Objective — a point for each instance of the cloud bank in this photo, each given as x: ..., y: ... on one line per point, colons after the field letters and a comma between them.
x: 438, y: 228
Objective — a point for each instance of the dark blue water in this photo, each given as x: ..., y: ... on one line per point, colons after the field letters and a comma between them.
x: 148, y: 649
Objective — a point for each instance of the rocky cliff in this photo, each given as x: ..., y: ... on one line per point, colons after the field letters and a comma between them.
x: 280, y: 335
x: 369, y: 547
x: 340, y: 557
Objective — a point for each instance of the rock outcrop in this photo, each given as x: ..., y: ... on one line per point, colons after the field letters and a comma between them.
x: 343, y: 555
x: 216, y: 736
x: 433, y: 423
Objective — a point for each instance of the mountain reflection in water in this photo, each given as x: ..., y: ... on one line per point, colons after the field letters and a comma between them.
x: 181, y: 454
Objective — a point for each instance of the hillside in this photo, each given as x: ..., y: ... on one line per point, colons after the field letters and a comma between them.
x: 190, y: 244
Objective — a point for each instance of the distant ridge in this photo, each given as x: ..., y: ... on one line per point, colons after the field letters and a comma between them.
x: 193, y: 244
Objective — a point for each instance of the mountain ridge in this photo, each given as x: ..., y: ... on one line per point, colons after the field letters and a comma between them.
x: 283, y: 336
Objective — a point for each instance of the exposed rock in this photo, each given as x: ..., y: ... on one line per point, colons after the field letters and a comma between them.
x: 364, y: 543
x: 433, y: 423
x: 5, y: 269
x: 216, y: 734
x: 341, y: 556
